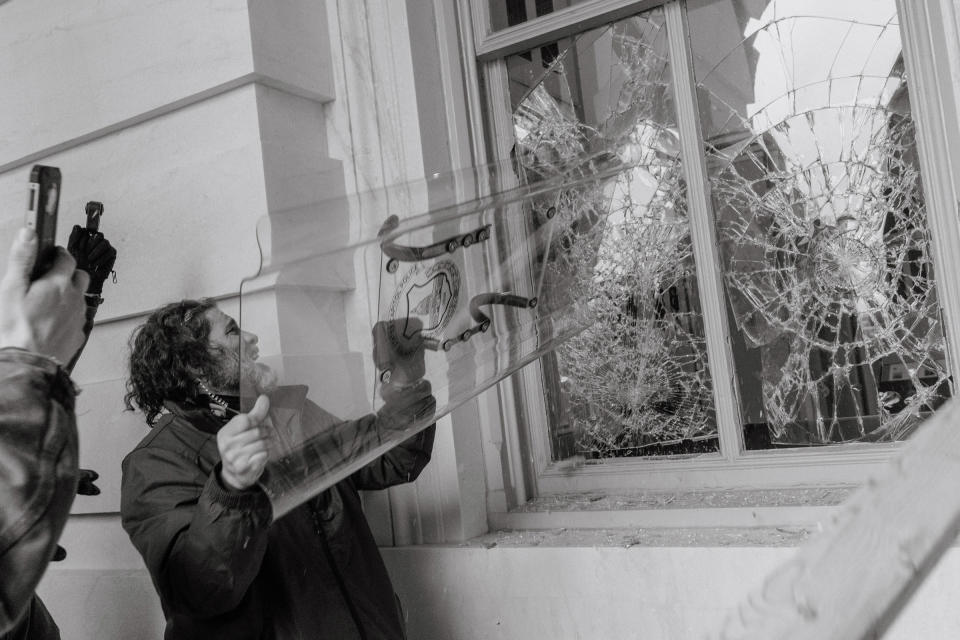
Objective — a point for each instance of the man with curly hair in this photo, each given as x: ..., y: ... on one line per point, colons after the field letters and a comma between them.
x: 223, y: 567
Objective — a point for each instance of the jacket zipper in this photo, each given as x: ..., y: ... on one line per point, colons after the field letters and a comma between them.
x: 336, y: 572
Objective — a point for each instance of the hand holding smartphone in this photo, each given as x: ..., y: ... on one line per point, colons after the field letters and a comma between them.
x: 42, y: 205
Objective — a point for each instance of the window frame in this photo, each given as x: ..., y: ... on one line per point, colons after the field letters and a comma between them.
x: 927, y: 29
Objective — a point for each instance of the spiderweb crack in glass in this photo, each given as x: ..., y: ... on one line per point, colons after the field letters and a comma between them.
x: 637, y: 377
x: 820, y: 215
x: 822, y: 223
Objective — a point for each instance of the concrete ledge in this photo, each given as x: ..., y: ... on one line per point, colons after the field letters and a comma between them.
x: 601, y: 593
x: 545, y: 592
x: 806, y: 516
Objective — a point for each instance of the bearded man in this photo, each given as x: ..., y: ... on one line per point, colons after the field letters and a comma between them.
x: 193, y: 509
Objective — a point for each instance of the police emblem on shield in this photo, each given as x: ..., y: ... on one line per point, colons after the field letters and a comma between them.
x: 427, y: 295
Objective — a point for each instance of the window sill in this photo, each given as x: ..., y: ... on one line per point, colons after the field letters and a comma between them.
x: 805, y: 508
x: 657, y: 537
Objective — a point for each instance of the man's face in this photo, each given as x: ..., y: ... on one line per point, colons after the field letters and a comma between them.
x: 228, y: 343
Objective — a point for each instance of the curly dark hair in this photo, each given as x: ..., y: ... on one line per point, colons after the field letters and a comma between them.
x: 166, y: 352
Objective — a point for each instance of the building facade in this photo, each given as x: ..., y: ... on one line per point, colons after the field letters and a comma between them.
x: 786, y: 163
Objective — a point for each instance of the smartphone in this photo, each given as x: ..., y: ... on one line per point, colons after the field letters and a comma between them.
x: 42, y: 204
x: 94, y: 211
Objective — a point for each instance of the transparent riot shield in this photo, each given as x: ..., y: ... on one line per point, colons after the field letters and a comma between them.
x: 383, y: 311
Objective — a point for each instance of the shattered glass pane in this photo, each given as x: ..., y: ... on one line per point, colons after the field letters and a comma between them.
x: 636, y: 382
x: 821, y: 219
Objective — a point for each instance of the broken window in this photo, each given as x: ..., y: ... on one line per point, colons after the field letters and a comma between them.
x: 821, y: 219
x: 835, y: 328
x: 636, y: 382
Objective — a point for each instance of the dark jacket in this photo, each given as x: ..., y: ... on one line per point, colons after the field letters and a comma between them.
x: 38, y: 481
x: 223, y: 570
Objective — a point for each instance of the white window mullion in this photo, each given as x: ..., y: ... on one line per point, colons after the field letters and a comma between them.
x: 518, y: 445
x: 929, y: 32
x: 529, y: 444
x: 705, y: 250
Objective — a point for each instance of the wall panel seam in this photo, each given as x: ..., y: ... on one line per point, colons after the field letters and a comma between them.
x: 158, y: 112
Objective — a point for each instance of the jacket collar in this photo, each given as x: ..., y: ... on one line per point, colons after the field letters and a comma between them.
x: 207, y: 417
x: 286, y: 403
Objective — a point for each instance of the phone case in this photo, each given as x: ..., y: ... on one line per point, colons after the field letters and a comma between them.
x: 42, y: 206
